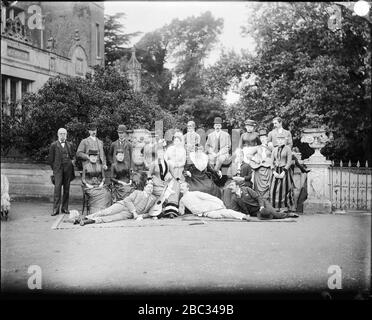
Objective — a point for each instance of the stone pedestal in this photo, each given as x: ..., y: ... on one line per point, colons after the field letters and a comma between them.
x: 318, y: 199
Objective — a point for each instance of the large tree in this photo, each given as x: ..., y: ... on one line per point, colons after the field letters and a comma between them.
x: 193, y: 39
x: 310, y: 75
x: 115, y: 38
x: 173, y: 58
x: 72, y: 102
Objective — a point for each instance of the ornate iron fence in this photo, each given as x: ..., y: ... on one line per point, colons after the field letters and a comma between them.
x: 350, y: 186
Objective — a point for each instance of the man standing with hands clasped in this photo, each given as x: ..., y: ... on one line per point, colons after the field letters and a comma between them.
x: 61, y: 156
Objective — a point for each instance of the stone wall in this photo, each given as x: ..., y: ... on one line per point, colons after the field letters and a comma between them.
x: 31, y: 181
x: 36, y: 65
x: 62, y: 19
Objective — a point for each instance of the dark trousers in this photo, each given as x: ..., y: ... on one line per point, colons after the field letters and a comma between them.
x: 62, y: 179
x: 253, y: 211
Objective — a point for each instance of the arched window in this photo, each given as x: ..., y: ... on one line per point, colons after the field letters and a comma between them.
x: 79, y: 60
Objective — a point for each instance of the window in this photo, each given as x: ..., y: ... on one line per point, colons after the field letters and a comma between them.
x: 13, y: 90
x: 16, y: 87
x: 3, y: 93
x: 52, y: 63
x: 25, y: 85
x: 80, y: 61
x: 98, y: 41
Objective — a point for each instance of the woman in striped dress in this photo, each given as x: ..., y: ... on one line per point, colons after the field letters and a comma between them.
x: 281, y: 189
x: 261, y: 164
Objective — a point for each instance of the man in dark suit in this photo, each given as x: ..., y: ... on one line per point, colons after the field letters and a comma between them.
x: 61, y: 155
x: 124, y: 144
x: 249, y: 202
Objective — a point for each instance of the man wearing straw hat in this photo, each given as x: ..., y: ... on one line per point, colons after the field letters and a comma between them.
x: 192, y: 139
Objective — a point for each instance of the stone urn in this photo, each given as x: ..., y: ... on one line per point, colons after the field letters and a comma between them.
x: 316, y: 138
x: 318, y: 200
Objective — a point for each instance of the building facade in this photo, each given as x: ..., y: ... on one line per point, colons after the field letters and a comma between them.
x: 40, y: 40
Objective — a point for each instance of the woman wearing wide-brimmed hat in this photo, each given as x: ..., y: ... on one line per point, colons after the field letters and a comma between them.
x: 249, y: 141
x: 251, y: 137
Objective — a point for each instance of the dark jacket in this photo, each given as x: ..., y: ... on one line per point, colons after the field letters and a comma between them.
x: 246, y: 173
x: 85, y: 145
x: 282, y: 157
x: 128, y: 151
x: 55, y: 156
x: 248, y: 202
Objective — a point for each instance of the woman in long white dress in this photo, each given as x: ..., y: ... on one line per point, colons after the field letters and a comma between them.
x: 175, y: 156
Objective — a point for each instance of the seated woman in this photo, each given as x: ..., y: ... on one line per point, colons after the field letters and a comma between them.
x: 176, y: 156
x: 200, y: 175
x: 93, y: 179
x: 120, y: 178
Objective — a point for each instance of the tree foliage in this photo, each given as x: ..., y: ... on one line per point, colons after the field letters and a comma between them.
x: 310, y: 75
x: 72, y: 102
x: 202, y: 110
x: 116, y: 38
x: 173, y: 58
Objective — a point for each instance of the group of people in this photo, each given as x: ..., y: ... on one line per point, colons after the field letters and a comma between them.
x: 183, y: 177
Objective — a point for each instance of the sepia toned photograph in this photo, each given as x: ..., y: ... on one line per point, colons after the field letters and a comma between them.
x: 186, y: 148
